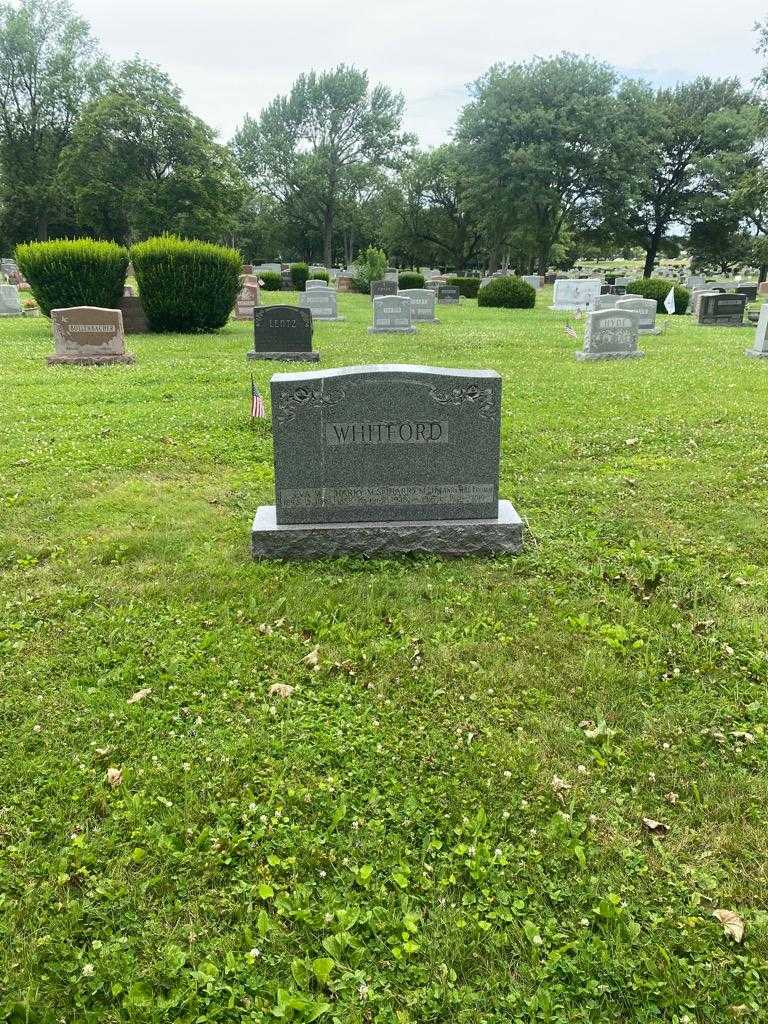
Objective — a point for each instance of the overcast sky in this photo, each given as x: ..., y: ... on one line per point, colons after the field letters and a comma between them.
x: 230, y: 57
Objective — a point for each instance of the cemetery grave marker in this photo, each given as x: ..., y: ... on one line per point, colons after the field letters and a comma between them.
x: 422, y: 304
x: 283, y: 333
x: 647, y: 308
x: 10, y: 303
x: 88, y: 336
x: 533, y: 280
x: 388, y: 458
x: 760, y: 345
x: 323, y: 303
x: 248, y: 298
x: 750, y: 290
x: 134, y: 317
x: 572, y: 293
x: 311, y: 285
x: 448, y: 295
x: 722, y: 310
x: 379, y: 288
x: 611, y: 334
x: 392, y: 315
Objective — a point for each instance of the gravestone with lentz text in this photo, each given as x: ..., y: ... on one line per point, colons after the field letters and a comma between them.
x: 575, y: 293
x: 88, y: 336
x: 379, y: 288
x: 448, y: 295
x: 392, y: 315
x: 283, y: 333
x: 10, y: 304
x: 422, y: 304
x: 323, y: 303
x: 611, y: 334
x: 722, y: 309
x: 384, y: 459
x: 760, y: 345
x: 647, y: 309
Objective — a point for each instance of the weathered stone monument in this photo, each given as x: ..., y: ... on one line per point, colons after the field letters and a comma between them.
x: 392, y: 315
x: 760, y: 345
x: 448, y: 295
x: 533, y: 280
x: 323, y: 303
x: 382, y: 459
x: 607, y: 301
x: 750, y: 290
x: 422, y: 304
x: 134, y: 317
x: 647, y: 309
x: 248, y: 297
x: 722, y: 309
x: 379, y: 288
x: 10, y: 304
x: 573, y: 293
x: 88, y: 336
x: 611, y: 334
x: 283, y: 333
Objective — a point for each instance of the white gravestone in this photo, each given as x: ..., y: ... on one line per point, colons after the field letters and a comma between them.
x: 605, y: 302
x: 314, y: 284
x: 611, y: 334
x: 760, y: 346
x: 533, y: 280
x: 322, y: 302
x: 10, y: 304
x: 422, y: 304
x: 647, y: 308
x: 572, y: 293
x: 392, y: 315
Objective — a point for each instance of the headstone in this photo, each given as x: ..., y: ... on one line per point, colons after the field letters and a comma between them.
x: 760, y: 346
x: 344, y: 283
x: 762, y: 289
x: 310, y: 285
x: 134, y: 318
x: 383, y: 459
x: 622, y: 282
x: 695, y: 299
x: 483, y: 282
x: 575, y: 294
x: 10, y: 303
x: 533, y: 280
x: 379, y: 288
x: 750, y: 290
x: 128, y: 290
x: 391, y: 274
x: 247, y: 298
x: 695, y: 281
x: 88, y: 336
x: 391, y: 315
x: 611, y: 334
x: 422, y: 304
x: 722, y: 310
x: 647, y: 308
x: 269, y: 268
x: 448, y: 295
x: 322, y: 302
x: 283, y: 333
x: 550, y: 278
x: 604, y: 302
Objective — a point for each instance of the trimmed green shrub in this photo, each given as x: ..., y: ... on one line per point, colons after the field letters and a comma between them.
x: 369, y: 266
x: 186, y: 285
x: 658, y: 288
x: 510, y: 292
x: 74, y: 272
x: 299, y: 275
x: 410, y: 279
x: 273, y: 281
x: 468, y: 286
x: 320, y: 275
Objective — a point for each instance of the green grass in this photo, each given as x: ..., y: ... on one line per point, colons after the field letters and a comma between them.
x: 386, y: 844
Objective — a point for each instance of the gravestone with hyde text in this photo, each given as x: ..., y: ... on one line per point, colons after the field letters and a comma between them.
x: 283, y: 333
x: 323, y: 303
x: 392, y: 315
x: 611, y: 334
x: 760, y: 345
x: 88, y: 336
x: 382, y: 459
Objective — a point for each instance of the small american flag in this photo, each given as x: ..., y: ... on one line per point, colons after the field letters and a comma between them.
x: 258, y: 412
x: 570, y: 331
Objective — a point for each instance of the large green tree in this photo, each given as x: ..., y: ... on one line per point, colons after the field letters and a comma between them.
x: 316, y: 147
x: 49, y: 68
x: 140, y: 163
x: 538, y: 137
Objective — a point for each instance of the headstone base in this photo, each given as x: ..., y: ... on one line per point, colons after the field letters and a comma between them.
x: 287, y: 357
x: 450, y: 537
x: 328, y: 319
x: 126, y: 358
x: 571, y: 309
x: 653, y: 331
x: 590, y: 357
x: 757, y: 353
x: 391, y: 330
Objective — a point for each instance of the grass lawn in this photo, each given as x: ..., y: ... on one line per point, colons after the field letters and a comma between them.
x: 444, y: 821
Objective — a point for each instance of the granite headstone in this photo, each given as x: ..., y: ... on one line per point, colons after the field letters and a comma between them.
x: 422, y: 304
x: 88, y: 336
x: 573, y: 293
x: 647, y: 308
x: 391, y: 315
x: 611, y: 334
x: 10, y: 304
x: 323, y: 303
x: 760, y: 345
x: 448, y: 295
x: 134, y: 317
x: 379, y: 288
x: 283, y: 333
x: 722, y: 310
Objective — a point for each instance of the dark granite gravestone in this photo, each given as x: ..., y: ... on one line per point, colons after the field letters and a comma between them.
x: 88, y: 336
x: 448, y: 295
x: 760, y: 345
x: 134, y: 318
x: 750, y: 290
x: 379, y: 288
x: 722, y: 310
x: 283, y: 333
x: 611, y: 334
x: 391, y: 458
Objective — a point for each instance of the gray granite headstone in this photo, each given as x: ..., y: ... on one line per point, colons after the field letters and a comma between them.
x: 647, y: 308
x: 533, y: 280
x: 422, y: 304
x: 607, y: 301
x: 694, y: 281
x: 10, y: 304
x: 322, y: 302
x: 283, y: 333
x: 611, y: 334
x: 722, y: 310
x: 391, y: 315
x: 379, y: 288
x: 750, y: 290
x: 134, y: 318
x: 760, y: 345
x: 378, y: 459
x: 574, y: 293
x: 448, y: 295
x: 88, y: 336
x: 310, y: 285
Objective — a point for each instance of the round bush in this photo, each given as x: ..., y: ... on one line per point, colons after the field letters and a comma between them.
x: 658, y: 288
x: 273, y: 281
x: 75, y: 272
x: 410, y: 279
x: 320, y: 275
x: 468, y: 286
x: 299, y: 275
x: 510, y: 292
x: 186, y: 285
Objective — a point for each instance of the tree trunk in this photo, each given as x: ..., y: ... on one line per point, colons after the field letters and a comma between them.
x: 42, y: 228
x: 328, y: 238
x: 493, y: 259
x: 651, y: 253
x: 763, y: 273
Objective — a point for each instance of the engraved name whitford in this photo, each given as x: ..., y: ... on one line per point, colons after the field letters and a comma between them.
x: 408, y: 432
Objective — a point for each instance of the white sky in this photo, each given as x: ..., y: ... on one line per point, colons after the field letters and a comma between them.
x: 230, y: 57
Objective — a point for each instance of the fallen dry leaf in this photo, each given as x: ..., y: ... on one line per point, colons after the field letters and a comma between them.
x: 139, y: 695
x: 743, y: 737
x: 280, y: 690
x: 559, y: 786
x: 632, y: 441
x: 671, y: 798
x: 658, y: 828
x: 732, y: 924
x: 313, y: 658
x: 114, y: 777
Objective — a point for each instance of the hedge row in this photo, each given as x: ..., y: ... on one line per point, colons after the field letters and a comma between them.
x: 76, y: 272
x: 468, y: 286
